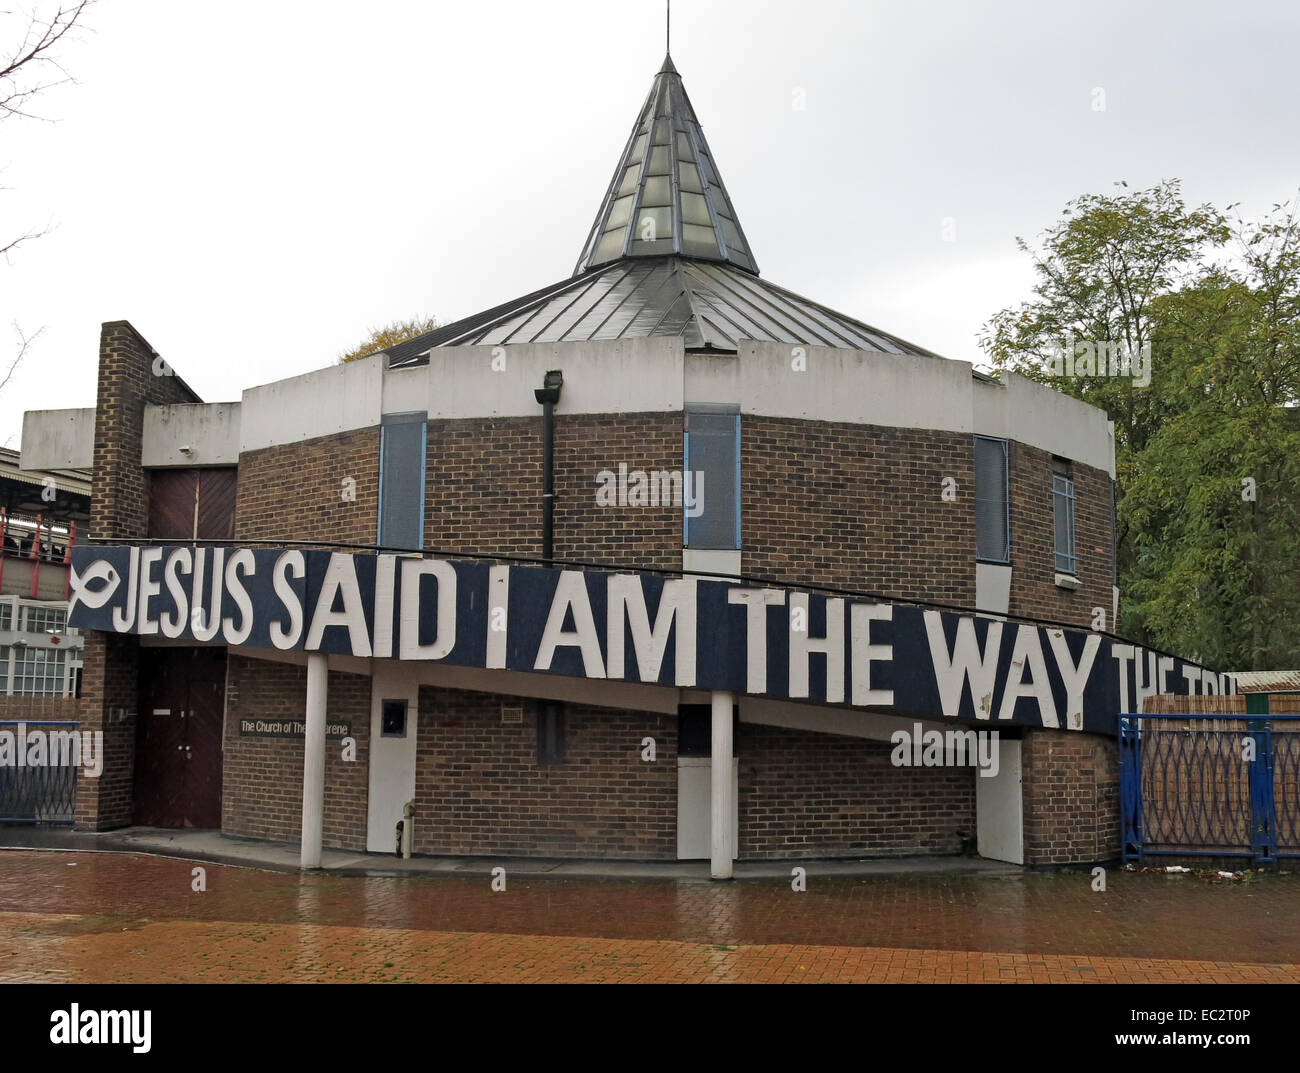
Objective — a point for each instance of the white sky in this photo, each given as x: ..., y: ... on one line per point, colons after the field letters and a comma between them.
x: 254, y: 185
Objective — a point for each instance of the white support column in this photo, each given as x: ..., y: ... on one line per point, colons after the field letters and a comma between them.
x: 313, y: 759
x: 720, y: 867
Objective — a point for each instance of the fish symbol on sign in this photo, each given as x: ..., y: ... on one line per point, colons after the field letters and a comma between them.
x: 82, y: 593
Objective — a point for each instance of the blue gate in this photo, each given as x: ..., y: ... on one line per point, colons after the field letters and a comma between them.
x: 1210, y: 786
x: 45, y: 793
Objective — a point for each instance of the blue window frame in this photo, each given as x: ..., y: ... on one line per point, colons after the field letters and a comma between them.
x: 1067, y: 562
x: 992, y: 511
x: 712, y: 472
x: 401, y: 480
x: 1114, y: 539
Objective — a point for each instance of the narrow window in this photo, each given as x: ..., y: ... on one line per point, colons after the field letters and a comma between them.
x: 401, y: 480
x: 392, y: 719
x: 992, y: 525
x: 1114, y: 538
x: 694, y: 730
x: 550, y: 732
x: 712, y: 478
x: 1067, y: 562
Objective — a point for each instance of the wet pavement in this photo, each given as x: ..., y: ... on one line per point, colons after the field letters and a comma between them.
x: 118, y: 917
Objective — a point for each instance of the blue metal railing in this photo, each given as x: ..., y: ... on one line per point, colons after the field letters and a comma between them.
x: 45, y: 793
x: 1200, y: 790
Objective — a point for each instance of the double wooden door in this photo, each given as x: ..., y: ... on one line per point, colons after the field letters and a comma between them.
x: 193, y: 504
x: 178, y: 737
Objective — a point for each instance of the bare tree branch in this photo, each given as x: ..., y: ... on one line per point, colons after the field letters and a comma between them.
x: 24, y: 344
x: 24, y: 70
x: 13, y: 244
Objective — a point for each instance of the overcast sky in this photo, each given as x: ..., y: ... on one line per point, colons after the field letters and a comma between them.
x: 255, y: 185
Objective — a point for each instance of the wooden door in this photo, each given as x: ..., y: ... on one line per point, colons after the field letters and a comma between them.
x: 193, y: 504
x: 172, y: 504
x: 203, y: 721
x: 160, y: 739
x: 216, y: 498
x: 178, y: 737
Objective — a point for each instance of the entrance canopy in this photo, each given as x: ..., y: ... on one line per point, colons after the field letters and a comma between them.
x: 689, y: 632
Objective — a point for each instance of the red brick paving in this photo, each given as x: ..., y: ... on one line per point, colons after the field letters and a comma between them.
x: 109, y: 918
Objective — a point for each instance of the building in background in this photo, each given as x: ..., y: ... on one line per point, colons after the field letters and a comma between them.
x: 42, y: 514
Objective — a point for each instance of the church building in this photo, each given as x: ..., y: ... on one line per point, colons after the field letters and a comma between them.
x: 662, y: 561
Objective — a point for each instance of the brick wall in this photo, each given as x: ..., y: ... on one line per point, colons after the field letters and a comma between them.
x: 849, y: 505
x: 859, y: 507
x: 261, y: 794
x: 1070, y: 788
x: 295, y: 490
x: 479, y: 789
x: 131, y: 376
x: 1070, y: 781
x: 109, y: 678
x: 36, y: 708
x: 1034, y: 591
x: 483, y: 487
x: 804, y: 794
x: 119, y: 496
x: 637, y: 536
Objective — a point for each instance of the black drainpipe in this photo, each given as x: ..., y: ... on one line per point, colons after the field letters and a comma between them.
x: 548, y: 395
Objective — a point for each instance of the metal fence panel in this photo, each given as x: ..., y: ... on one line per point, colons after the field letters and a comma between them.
x: 1206, y: 785
x: 43, y: 794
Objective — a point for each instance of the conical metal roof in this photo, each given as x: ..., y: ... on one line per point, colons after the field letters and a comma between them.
x: 666, y: 196
x: 711, y: 307
x: 666, y: 257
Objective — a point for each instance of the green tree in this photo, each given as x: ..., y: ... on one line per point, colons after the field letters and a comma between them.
x: 1214, y: 505
x: 1205, y: 570
x: 1100, y: 269
x: 399, y: 331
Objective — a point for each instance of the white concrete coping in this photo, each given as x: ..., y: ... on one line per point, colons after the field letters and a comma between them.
x: 210, y: 431
x: 58, y: 439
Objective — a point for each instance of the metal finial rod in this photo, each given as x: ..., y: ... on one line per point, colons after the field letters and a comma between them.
x: 668, y: 34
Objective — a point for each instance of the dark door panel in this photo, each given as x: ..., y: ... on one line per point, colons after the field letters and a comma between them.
x: 178, y: 737
x: 189, y: 504
x: 217, y: 503
x: 171, y: 503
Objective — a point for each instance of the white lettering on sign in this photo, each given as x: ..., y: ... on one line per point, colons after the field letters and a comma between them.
x: 865, y: 653
x: 831, y: 645
x: 1027, y: 655
x: 518, y: 618
x: 626, y: 605
x: 123, y: 622
x: 174, y: 625
x: 1075, y: 678
x: 445, y: 617
x: 571, y: 595
x: 965, y: 662
x: 205, y: 627
x: 241, y: 560
x: 756, y: 603
x: 340, y: 579
x: 385, y: 570
x: 498, y: 616
x: 289, y: 562
x: 149, y: 588
x: 1123, y: 655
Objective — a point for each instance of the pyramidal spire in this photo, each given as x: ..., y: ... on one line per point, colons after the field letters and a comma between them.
x: 666, y: 196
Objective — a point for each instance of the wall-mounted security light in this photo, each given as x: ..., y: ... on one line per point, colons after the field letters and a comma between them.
x: 549, y: 392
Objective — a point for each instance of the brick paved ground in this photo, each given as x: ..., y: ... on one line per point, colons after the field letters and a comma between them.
x: 89, y: 917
